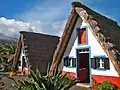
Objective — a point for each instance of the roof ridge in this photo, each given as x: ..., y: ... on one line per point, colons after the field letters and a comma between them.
x: 22, y: 32
x: 79, y: 4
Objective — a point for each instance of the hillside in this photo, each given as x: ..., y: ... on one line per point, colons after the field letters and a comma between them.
x: 6, y: 39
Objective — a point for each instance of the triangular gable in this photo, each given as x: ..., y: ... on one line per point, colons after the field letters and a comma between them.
x: 17, y: 53
x: 95, y: 50
x: 105, y: 30
x: 39, y: 49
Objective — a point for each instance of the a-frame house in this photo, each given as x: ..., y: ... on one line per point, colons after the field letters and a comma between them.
x: 89, y: 47
x: 34, y: 49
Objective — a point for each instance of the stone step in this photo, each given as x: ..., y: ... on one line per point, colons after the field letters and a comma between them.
x: 81, y: 86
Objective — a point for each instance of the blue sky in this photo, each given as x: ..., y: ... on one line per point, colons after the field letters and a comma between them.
x: 47, y: 16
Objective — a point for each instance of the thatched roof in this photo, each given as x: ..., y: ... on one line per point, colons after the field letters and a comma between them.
x: 39, y: 49
x: 105, y: 30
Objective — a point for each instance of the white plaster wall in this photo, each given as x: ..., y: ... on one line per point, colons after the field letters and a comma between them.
x: 22, y: 54
x: 70, y: 50
x: 96, y: 50
x: 72, y: 43
x: 68, y: 69
x: 73, y: 50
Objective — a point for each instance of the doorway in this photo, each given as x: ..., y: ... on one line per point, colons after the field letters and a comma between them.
x: 83, y: 69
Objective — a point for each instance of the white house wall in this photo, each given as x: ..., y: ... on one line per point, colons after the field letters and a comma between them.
x: 72, y: 43
x: 70, y: 50
x: 96, y: 50
x: 21, y: 54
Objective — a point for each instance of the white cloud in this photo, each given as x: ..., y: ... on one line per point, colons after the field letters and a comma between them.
x: 48, y: 17
x: 11, y: 27
x: 52, y: 14
x: 59, y: 27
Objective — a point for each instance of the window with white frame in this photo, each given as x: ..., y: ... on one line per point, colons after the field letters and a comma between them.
x: 100, y: 63
x: 69, y: 61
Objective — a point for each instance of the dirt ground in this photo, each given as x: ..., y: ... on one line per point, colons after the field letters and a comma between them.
x: 6, y: 83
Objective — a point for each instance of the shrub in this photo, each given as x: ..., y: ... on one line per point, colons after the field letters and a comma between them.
x: 106, y: 86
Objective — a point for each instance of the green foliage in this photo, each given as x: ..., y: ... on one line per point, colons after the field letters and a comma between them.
x: 106, y: 86
x: 39, y: 82
x: 7, y: 51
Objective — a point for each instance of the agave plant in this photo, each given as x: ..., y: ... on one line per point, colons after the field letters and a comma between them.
x: 39, y: 82
x: 7, y: 52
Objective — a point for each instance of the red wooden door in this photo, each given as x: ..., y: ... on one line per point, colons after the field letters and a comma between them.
x: 83, y: 67
x: 82, y: 36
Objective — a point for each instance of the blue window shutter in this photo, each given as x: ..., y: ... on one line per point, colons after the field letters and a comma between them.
x: 73, y: 62
x: 65, y: 62
x: 93, y: 63
x: 106, y: 64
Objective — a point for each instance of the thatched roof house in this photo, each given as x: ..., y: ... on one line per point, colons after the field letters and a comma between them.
x: 38, y: 49
x: 105, y: 30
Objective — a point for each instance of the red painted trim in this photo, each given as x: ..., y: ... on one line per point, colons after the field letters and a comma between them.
x: 98, y: 78
x: 69, y: 74
x: 112, y: 79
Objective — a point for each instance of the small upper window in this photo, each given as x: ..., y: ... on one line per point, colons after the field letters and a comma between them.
x: 100, y: 63
x: 82, y: 36
x: 69, y: 62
